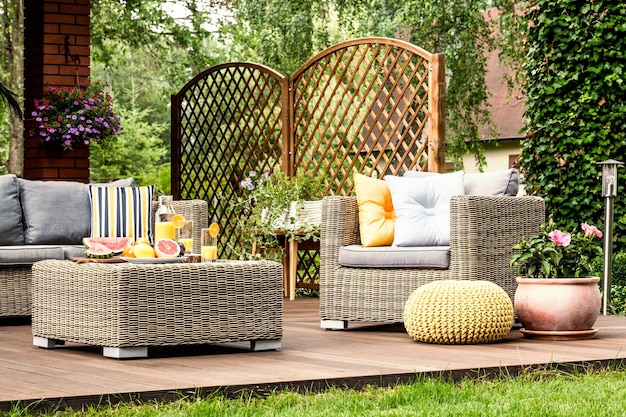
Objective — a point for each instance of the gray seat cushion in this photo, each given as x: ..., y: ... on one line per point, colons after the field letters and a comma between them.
x: 11, y: 228
x: 27, y: 255
x: 57, y: 212
x: 357, y: 256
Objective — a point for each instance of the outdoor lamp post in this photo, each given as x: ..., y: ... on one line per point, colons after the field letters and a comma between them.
x: 609, y: 191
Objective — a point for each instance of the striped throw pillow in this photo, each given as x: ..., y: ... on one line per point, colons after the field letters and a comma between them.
x: 121, y: 211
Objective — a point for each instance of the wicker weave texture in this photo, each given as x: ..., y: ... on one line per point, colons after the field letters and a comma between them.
x: 458, y: 312
x: 482, y: 233
x: 124, y: 305
x: 15, y: 291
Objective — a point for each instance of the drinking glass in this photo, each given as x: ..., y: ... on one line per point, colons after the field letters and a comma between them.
x: 208, y: 250
x: 185, y: 236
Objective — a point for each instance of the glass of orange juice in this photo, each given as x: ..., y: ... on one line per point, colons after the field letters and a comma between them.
x: 185, y: 236
x: 208, y: 250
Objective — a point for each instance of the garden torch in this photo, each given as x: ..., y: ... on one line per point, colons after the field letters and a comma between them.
x: 609, y: 191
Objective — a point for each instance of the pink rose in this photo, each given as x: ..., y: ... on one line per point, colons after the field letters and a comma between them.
x: 590, y: 230
x: 560, y: 238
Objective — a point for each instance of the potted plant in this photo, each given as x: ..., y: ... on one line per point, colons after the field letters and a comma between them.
x: 557, y: 295
x: 71, y: 116
x: 275, y: 204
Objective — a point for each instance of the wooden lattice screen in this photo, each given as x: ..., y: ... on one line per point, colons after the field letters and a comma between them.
x: 374, y: 106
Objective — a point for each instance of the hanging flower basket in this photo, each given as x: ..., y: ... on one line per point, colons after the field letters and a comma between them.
x: 71, y: 116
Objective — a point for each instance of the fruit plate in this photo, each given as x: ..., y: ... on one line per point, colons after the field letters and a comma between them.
x: 153, y: 260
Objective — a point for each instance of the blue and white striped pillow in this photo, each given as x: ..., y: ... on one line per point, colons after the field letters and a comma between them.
x: 121, y: 211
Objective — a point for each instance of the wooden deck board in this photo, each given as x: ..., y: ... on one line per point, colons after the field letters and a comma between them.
x: 363, y: 352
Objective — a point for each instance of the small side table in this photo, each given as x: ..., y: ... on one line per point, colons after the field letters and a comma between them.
x: 293, y: 247
x: 290, y: 260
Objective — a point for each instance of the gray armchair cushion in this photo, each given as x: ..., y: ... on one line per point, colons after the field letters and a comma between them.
x: 495, y: 183
x: 357, y: 256
x: 11, y: 228
x: 56, y: 212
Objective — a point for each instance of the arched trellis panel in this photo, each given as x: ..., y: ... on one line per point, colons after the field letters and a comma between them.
x: 371, y: 105
x: 226, y: 122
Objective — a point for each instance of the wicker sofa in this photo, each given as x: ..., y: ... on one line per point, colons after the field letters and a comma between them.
x: 47, y: 220
x: 482, y: 231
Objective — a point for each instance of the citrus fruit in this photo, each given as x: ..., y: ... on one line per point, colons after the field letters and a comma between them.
x: 144, y: 250
x: 166, y: 248
x: 178, y: 220
x: 142, y: 240
x: 214, y: 229
x: 129, y: 251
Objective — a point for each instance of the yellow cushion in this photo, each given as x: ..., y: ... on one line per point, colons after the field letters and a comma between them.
x: 376, y: 214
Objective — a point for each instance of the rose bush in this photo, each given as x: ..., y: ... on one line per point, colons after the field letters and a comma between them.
x: 558, y: 254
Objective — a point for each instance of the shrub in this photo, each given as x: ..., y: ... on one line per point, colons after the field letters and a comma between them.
x: 575, y: 82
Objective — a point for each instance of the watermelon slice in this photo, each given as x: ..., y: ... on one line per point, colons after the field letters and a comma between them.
x: 98, y: 251
x: 114, y: 244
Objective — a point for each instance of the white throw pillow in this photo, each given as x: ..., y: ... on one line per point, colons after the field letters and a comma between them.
x: 422, y: 206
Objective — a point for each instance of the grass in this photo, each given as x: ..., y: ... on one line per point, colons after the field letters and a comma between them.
x: 597, y: 392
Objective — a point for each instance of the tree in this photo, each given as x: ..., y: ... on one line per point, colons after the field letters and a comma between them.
x: 282, y: 34
x: 136, y: 152
x: 285, y: 34
x: 461, y: 31
x: 12, y: 80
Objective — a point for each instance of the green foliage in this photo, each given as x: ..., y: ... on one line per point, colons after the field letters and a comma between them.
x: 556, y: 254
x: 576, y: 106
x: 137, y: 152
x: 617, y: 299
x: 266, y: 206
x: 282, y: 34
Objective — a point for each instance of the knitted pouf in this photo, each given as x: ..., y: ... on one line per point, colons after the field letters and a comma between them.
x: 458, y: 312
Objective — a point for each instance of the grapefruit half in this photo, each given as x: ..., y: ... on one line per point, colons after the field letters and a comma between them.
x: 167, y: 248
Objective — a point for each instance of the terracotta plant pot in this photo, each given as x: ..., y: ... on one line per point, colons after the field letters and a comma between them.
x: 559, y: 308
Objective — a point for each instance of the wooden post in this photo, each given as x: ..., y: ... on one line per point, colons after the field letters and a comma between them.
x: 437, y: 109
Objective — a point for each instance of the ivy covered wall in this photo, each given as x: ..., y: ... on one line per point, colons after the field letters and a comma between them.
x: 575, y: 82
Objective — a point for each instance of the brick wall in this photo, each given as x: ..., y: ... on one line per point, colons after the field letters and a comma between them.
x: 56, y: 53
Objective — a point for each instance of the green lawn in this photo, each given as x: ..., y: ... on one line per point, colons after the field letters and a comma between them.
x: 590, y: 392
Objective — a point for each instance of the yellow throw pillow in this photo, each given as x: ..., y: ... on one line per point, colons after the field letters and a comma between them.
x: 376, y: 214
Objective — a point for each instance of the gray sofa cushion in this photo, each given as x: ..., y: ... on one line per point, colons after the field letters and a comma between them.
x: 27, y: 255
x: 57, y: 212
x: 11, y: 228
x: 357, y: 256
x: 73, y: 251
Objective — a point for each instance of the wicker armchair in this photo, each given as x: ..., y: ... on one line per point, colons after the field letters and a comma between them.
x: 482, y: 232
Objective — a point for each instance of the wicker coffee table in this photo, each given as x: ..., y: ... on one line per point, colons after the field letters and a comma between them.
x: 127, y: 307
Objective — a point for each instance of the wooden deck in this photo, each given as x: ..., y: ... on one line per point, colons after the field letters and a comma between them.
x: 311, y: 358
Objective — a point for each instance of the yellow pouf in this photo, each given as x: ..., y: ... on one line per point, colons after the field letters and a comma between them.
x: 458, y: 312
